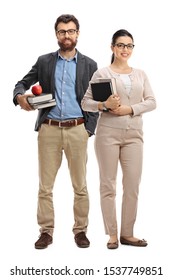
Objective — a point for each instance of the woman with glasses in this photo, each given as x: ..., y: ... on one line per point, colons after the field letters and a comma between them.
x: 119, y: 138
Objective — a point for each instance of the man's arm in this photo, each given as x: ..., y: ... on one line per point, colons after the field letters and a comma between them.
x: 23, y: 85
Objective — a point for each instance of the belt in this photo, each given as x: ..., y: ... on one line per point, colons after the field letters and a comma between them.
x: 68, y: 123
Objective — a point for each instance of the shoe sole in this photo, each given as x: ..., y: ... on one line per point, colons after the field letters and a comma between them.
x: 112, y: 248
x: 41, y: 247
x: 134, y: 244
x: 82, y: 246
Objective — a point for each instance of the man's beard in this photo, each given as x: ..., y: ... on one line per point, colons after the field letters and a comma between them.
x: 67, y: 47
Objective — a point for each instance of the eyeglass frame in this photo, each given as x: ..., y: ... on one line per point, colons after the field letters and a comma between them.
x: 66, y: 31
x: 129, y: 46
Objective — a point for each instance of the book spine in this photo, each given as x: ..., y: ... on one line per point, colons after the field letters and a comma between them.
x: 113, y: 84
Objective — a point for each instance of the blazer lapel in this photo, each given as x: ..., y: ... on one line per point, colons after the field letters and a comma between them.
x: 80, y: 68
x: 51, y: 70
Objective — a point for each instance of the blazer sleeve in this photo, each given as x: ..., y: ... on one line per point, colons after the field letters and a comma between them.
x: 27, y: 81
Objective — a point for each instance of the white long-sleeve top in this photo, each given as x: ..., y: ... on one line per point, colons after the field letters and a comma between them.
x: 140, y: 98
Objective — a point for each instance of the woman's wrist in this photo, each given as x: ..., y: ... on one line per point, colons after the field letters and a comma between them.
x: 102, y: 107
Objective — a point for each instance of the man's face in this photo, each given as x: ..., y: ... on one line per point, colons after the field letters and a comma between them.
x: 67, y: 40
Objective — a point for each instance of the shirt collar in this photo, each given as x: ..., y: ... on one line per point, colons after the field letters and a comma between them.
x: 73, y: 58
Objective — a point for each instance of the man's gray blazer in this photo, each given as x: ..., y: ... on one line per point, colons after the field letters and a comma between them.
x: 43, y: 72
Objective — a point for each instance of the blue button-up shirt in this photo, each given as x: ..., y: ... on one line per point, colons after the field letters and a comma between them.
x: 67, y: 106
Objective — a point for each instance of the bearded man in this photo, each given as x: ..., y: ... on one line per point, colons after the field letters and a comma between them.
x: 62, y: 129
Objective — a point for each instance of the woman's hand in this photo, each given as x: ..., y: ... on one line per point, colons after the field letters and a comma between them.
x: 122, y: 110
x: 113, y: 102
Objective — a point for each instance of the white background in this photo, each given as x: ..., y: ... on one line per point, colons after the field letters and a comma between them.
x: 27, y: 31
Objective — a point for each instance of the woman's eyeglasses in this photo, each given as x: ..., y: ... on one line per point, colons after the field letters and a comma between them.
x: 122, y: 46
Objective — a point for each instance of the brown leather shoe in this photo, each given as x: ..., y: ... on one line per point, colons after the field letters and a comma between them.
x: 44, y: 240
x: 113, y: 245
x: 81, y: 240
x: 138, y: 243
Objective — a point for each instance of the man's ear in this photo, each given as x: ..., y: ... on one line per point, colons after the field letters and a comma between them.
x: 78, y: 32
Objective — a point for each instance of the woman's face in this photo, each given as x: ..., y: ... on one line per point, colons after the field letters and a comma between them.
x: 123, y: 48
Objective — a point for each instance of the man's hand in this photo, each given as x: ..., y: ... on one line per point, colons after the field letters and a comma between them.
x: 23, y: 102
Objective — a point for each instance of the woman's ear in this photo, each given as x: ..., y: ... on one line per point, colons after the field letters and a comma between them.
x: 112, y: 48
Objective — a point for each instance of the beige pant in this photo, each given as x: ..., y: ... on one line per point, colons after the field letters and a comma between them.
x: 111, y: 146
x: 52, y: 141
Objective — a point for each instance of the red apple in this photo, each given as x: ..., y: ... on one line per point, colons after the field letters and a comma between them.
x: 36, y: 90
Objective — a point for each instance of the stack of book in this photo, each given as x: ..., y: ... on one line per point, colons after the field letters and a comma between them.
x: 43, y: 100
x: 103, y: 88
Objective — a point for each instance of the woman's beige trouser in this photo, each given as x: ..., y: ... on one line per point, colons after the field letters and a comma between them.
x: 124, y: 146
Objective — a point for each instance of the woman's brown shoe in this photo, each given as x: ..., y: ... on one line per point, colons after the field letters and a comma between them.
x: 138, y: 243
x: 113, y: 245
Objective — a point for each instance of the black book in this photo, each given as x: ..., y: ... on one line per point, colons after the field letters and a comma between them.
x: 103, y: 88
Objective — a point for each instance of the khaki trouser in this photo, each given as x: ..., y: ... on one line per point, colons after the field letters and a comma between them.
x: 111, y: 146
x: 52, y: 141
